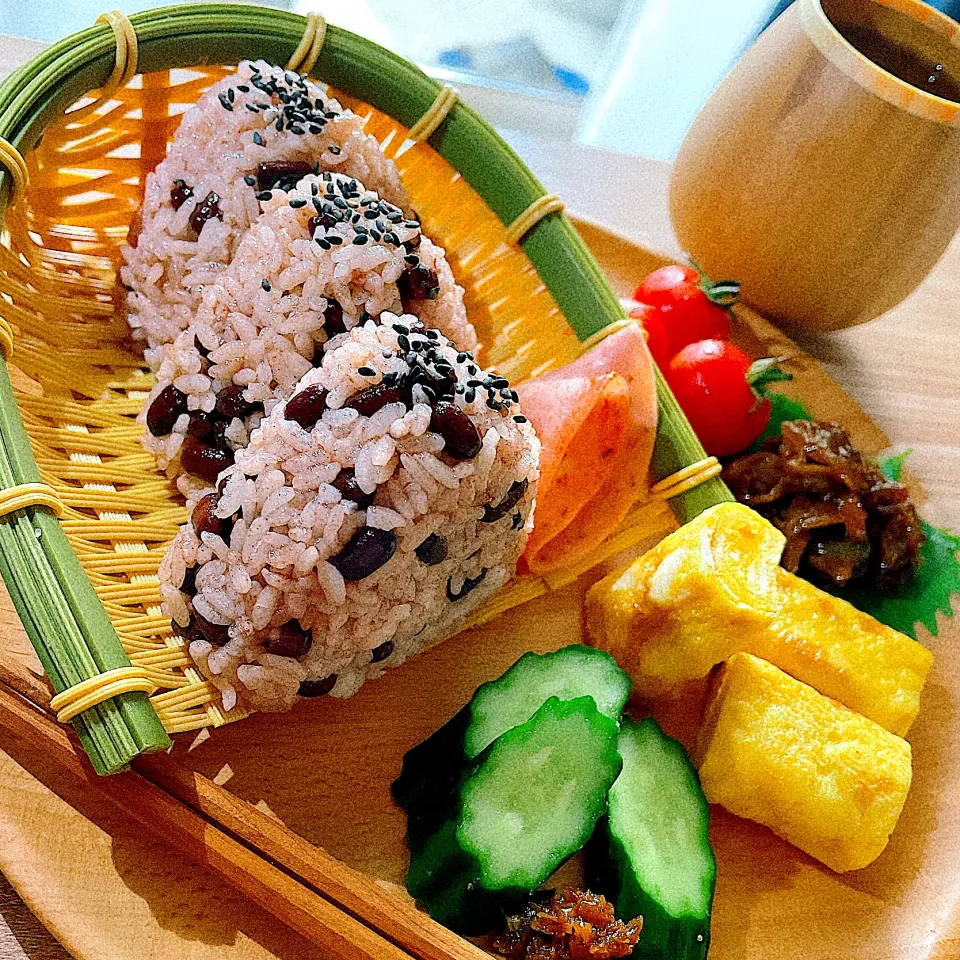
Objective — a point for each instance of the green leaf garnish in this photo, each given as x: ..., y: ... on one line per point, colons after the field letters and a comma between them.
x: 783, y: 408
x: 932, y: 587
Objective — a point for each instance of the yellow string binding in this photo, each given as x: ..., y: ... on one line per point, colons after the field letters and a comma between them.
x: 30, y: 495
x: 17, y: 168
x: 311, y: 43
x: 686, y: 479
x: 88, y: 693
x: 128, y: 53
x: 550, y: 203
x: 436, y: 113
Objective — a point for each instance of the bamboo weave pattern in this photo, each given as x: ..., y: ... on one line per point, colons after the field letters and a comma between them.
x: 80, y: 381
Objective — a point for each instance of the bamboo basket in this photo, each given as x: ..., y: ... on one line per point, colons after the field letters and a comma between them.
x: 72, y: 381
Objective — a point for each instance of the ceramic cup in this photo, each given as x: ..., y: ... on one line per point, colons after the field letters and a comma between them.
x: 824, y: 183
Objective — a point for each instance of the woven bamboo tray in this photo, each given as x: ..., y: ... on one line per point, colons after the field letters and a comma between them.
x: 69, y: 398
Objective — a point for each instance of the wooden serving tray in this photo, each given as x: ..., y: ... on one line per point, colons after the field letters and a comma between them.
x: 107, y: 890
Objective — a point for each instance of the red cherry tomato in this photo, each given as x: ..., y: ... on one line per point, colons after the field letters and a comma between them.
x: 716, y: 384
x: 690, y: 309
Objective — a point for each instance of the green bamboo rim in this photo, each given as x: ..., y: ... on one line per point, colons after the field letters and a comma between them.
x: 186, y: 36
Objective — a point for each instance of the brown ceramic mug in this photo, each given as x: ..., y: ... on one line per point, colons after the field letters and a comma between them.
x: 823, y: 181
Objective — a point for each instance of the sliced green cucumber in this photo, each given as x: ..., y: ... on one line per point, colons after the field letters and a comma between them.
x: 660, y: 858
x: 567, y: 673
x: 530, y: 801
x: 432, y: 769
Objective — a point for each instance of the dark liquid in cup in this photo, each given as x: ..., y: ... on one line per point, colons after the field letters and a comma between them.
x: 908, y: 65
x: 935, y: 70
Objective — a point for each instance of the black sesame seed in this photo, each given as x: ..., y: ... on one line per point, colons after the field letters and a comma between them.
x: 470, y: 395
x: 366, y: 371
x: 469, y: 585
x: 257, y: 139
x: 360, y: 239
x: 314, y: 129
x: 519, y: 418
x: 334, y: 150
x: 225, y: 103
x: 517, y: 522
x: 335, y: 240
x: 461, y: 357
x: 264, y: 195
x: 401, y: 328
x: 250, y: 181
x: 322, y: 243
x: 243, y: 88
x: 295, y: 128
x: 297, y: 203
x: 231, y: 96
x: 375, y: 234
x: 252, y: 107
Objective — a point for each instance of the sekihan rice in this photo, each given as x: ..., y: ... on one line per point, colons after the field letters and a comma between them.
x: 322, y: 257
x: 336, y: 549
x: 201, y: 199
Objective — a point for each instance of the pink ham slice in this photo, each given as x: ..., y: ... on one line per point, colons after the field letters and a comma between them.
x: 597, y: 422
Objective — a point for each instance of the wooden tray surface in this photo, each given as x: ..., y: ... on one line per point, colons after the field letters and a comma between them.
x: 105, y: 890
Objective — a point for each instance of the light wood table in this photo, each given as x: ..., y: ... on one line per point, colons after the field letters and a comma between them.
x: 900, y: 368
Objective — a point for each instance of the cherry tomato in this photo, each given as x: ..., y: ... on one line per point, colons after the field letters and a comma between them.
x: 689, y: 306
x: 719, y: 389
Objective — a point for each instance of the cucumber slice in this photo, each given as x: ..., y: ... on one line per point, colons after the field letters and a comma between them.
x: 568, y: 673
x: 431, y: 771
x: 534, y: 797
x: 530, y: 801
x: 660, y: 857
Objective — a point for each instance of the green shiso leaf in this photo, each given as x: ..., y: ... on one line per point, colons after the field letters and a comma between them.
x: 783, y: 408
x: 932, y: 588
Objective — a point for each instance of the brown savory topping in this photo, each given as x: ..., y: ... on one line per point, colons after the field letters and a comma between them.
x: 433, y: 550
x: 365, y: 553
x: 307, y: 406
x: 346, y: 483
x: 492, y: 513
x: 317, y: 688
x: 282, y: 173
x: 167, y: 407
x: 573, y: 925
x: 180, y: 193
x: 203, y: 460
x: 461, y: 439
x: 207, y: 209
x: 379, y: 654
x: 843, y: 519
x: 293, y: 641
x: 368, y: 402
